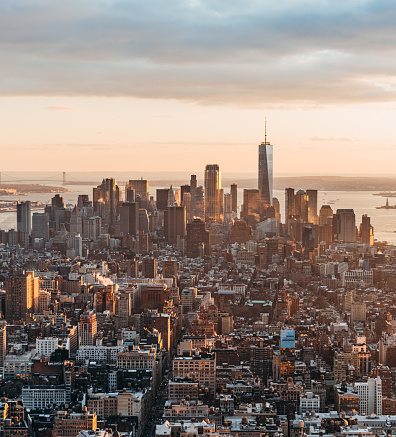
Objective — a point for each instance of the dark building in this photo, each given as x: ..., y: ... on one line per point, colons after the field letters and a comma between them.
x: 129, y: 218
x: 234, y: 197
x: 198, y: 239
x: 174, y: 223
x: 149, y: 267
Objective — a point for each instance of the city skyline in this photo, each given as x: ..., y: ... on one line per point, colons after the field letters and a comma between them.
x: 169, y: 84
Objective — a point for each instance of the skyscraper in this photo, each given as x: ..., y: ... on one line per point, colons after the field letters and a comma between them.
x: 344, y: 228
x: 366, y: 232
x: 129, y: 218
x: 174, y: 223
x: 213, y: 200
x: 22, y: 291
x: 141, y: 187
x: 24, y: 217
x: 87, y: 329
x: 265, y: 171
x: 289, y: 203
x: 234, y: 197
x: 107, y: 194
x: 312, y: 206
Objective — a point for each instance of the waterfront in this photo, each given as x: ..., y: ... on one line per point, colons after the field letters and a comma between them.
x: 363, y: 202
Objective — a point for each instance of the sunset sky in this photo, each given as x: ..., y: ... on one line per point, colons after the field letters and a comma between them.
x: 173, y: 85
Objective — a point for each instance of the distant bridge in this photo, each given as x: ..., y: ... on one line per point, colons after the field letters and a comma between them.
x: 57, y: 177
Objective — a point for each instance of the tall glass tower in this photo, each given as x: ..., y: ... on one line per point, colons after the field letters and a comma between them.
x: 212, y: 193
x: 265, y: 172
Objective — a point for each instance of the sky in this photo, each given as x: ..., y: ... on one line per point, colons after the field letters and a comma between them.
x: 174, y: 85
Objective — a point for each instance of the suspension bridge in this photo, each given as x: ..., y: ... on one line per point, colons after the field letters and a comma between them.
x: 61, y: 178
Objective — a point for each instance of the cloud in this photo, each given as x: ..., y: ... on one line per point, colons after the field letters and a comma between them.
x: 253, y: 53
x: 332, y: 139
x: 60, y: 108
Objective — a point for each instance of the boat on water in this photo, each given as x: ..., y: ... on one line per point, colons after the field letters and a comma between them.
x: 386, y: 206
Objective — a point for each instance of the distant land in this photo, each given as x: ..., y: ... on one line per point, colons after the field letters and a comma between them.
x: 9, y: 189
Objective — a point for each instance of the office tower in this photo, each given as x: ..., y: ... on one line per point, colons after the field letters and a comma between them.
x: 129, y: 218
x: 78, y: 245
x: 198, y: 239
x: 162, y: 198
x: 87, y: 329
x: 149, y: 267
x: 325, y: 215
x: 344, y: 228
x: 252, y: 208
x: 276, y: 205
x: 141, y: 187
x: 265, y: 171
x: 212, y: 193
x: 83, y: 201
x: 173, y: 196
x: 24, y: 217
x: 174, y: 223
x: 193, y: 187
x: 234, y: 197
x: 57, y: 201
x: 366, y: 232
x: 312, y: 206
x: 3, y: 341
x: 289, y: 203
x: 40, y: 226
x: 227, y: 208
x: 162, y: 323
x: 301, y: 205
x: 186, y: 202
x: 76, y: 221
x: 22, y: 292
x: 308, y: 239
x: 183, y: 190
x: 169, y: 268
x: 129, y: 194
x: 143, y: 246
x: 199, y: 202
x: 106, y: 199
x: 143, y: 221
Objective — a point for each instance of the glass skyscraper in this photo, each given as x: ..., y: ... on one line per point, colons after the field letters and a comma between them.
x: 265, y: 172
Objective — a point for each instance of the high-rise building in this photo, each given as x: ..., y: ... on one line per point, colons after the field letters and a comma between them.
x: 40, y: 226
x: 3, y: 341
x: 199, y: 202
x: 186, y: 203
x: 76, y: 221
x: 129, y: 194
x: 193, y: 187
x: 289, y: 203
x: 24, y: 217
x: 325, y: 215
x: 312, y: 206
x: 265, y: 172
x: 252, y: 208
x: 22, y: 293
x: 212, y: 193
x: 174, y: 223
x: 183, y: 190
x: 57, y: 201
x: 87, y: 329
x: 301, y: 205
x: 106, y: 199
x: 366, y: 232
x: 234, y: 197
x: 344, y: 227
x: 149, y: 267
x: 162, y: 198
x: 141, y: 187
x: 198, y: 239
x: 129, y: 218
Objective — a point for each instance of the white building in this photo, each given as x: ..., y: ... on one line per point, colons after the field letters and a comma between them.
x: 370, y: 396
x: 37, y: 398
x: 45, y: 346
x: 309, y: 402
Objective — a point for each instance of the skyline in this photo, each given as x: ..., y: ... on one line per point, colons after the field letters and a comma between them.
x: 93, y: 82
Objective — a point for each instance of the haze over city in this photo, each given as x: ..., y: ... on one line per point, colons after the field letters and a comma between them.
x: 177, y: 87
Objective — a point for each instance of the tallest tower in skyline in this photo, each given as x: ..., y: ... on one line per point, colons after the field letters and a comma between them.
x: 265, y: 170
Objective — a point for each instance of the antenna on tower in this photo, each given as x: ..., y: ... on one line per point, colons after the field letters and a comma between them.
x: 265, y: 139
